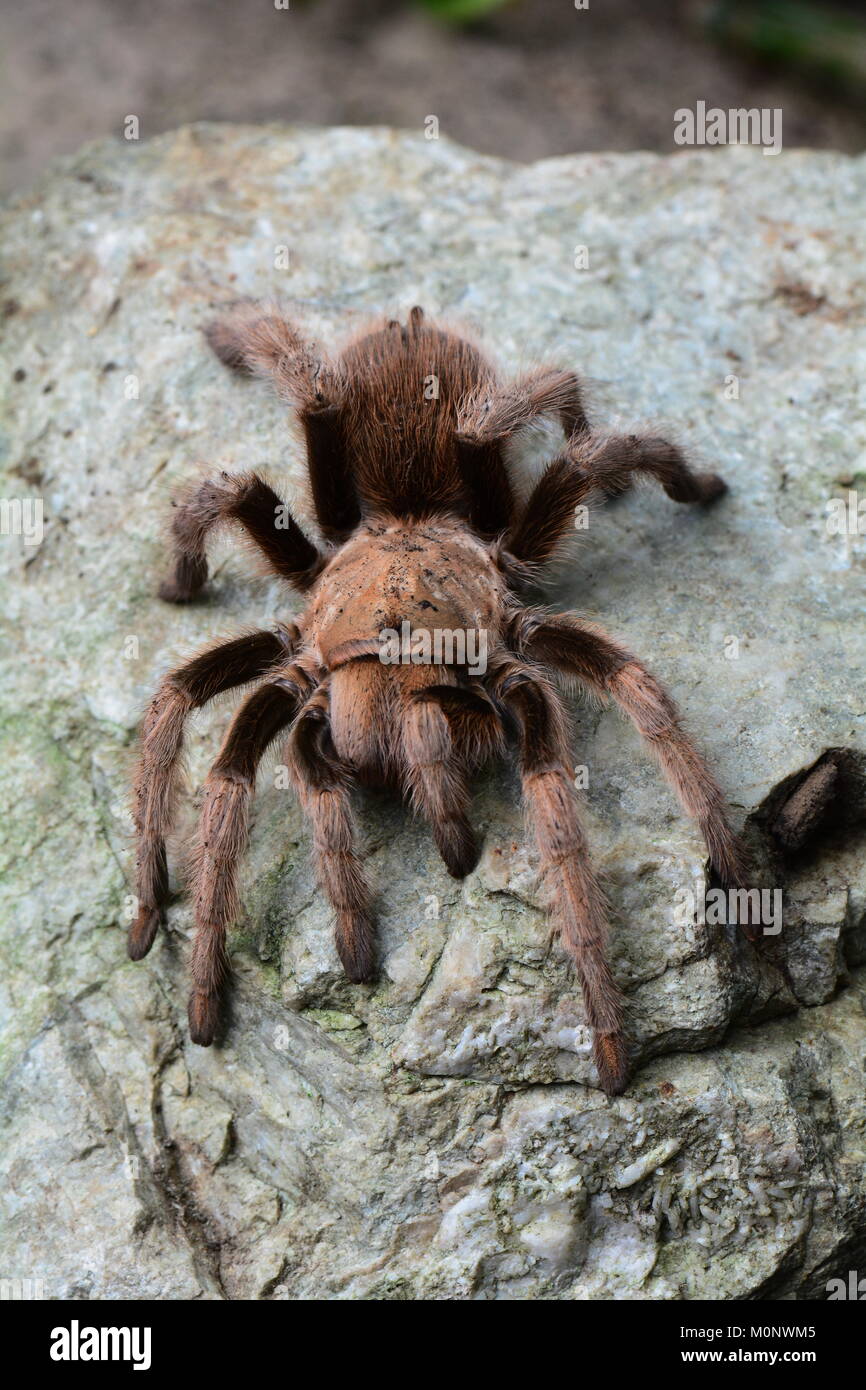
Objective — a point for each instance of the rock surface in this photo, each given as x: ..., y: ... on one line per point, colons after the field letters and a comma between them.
x: 438, y: 1134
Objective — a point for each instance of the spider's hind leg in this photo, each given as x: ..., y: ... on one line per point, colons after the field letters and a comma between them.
x: 488, y: 417
x: 249, y: 501
x: 252, y: 338
x: 612, y: 462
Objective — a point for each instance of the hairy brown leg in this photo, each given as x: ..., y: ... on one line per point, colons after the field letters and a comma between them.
x: 259, y: 340
x: 435, y: 779
x: 548, y: 516
x: 612, y: 462
x: 577, y: 902
x: 605, y: 465
x: 488, y: 417
x: 191, y: 686
x: 252, y: 503
x: 608, y: 669
x: 332, y: 483
x: 323, y: 785
x: 222, y: 838
x: 485, y: 478
x: 497, y: 412
x: 474, y: 720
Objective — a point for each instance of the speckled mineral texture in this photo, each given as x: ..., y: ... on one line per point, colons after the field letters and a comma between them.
x: 438, y: 1134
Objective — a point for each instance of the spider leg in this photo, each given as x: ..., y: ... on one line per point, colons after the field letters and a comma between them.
x: 323, y: 784
x: 475, y: 721
x: 488, y: 417
x: 248, y: 500
x: 577, y: 901
x: 608, y: 669
x: 495, y: 413
x: 436, y: 780
x: 222, y: 837
x: 254, y: 339
x: 611, y: 462
x: 191, y: 686
x: 549, y: 513
x: 600, y: 464
x: 485, y: 478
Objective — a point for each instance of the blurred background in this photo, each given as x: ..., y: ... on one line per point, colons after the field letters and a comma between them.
x: 519, y: 78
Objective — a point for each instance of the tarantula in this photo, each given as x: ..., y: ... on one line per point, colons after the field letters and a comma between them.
x: 405, y: 441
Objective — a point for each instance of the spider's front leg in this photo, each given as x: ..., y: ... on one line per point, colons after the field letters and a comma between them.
x: 609, y: 670
x: 194, y: 684
x: 251, y: 503
x: 577, y: 900
x: 323, y: 784
x: 435, y: 778
x: 222, y: 837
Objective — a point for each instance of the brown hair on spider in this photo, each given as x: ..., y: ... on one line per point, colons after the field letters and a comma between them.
x: 420, y: 526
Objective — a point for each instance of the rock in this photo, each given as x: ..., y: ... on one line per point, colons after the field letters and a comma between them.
x: 439, y: 1134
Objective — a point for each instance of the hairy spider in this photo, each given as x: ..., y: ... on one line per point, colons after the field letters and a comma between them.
x: 421, y: 531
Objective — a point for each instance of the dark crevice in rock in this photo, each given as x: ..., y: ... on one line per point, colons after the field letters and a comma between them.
x: 826, y: 798
x: 158, y: 1200
x: 808, y: 816
x: 178, y: 1198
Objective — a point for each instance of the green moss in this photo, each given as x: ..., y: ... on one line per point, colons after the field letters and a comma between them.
x: 332, y: 1020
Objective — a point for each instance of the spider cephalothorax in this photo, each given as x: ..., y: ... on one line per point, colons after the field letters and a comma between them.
x: 422, y: 537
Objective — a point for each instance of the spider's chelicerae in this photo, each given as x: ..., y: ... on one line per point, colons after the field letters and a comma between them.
x: 420, y: 526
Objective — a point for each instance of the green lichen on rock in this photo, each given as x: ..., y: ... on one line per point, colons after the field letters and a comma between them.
x: 437, y: 1134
